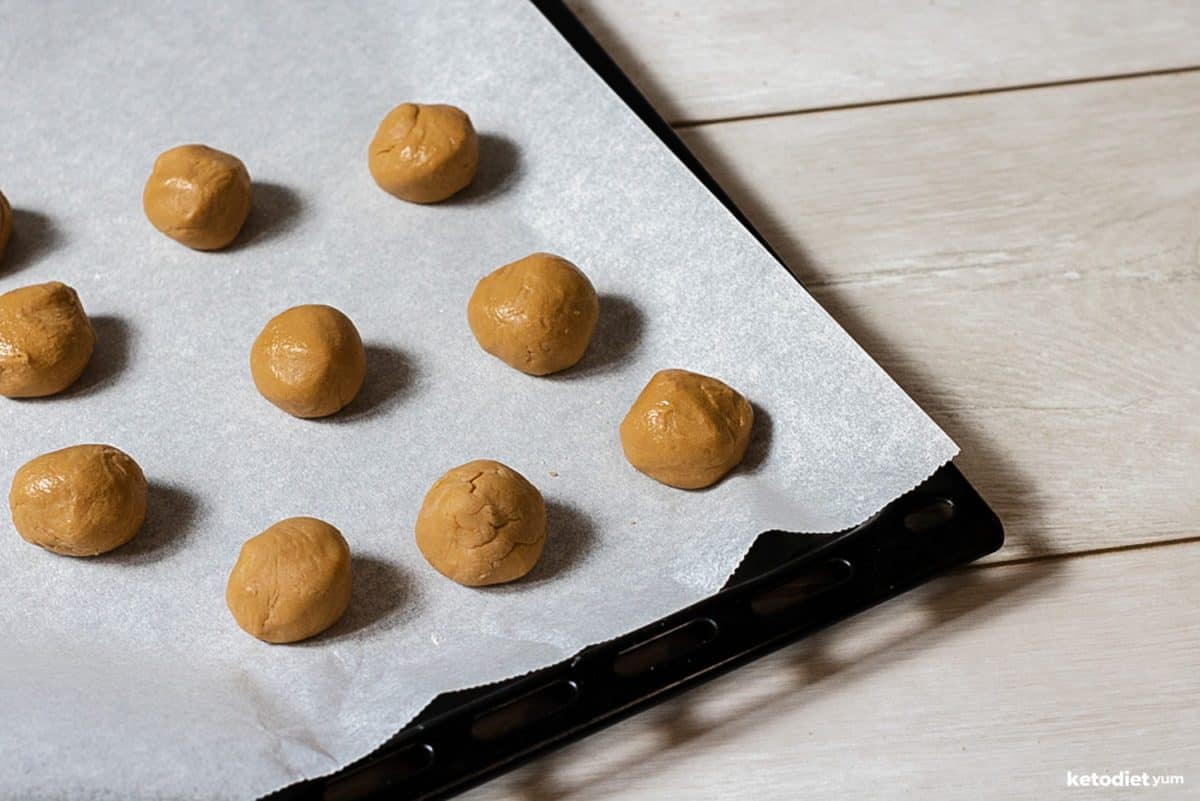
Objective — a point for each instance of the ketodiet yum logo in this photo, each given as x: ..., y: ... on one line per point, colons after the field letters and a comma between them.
x: 1124, y: 778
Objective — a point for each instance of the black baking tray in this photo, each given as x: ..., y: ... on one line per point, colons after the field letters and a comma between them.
x: 788, y: 586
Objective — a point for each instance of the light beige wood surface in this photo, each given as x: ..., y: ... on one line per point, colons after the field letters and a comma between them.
x: 1026, y: 264
x: 989, y: 684
x: 714, y: 59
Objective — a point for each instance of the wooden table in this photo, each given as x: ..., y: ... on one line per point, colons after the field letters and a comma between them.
x: 1001, y: 202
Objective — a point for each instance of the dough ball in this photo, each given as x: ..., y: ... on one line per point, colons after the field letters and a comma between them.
x: 424, y: 154
x: 536, y: 314
x: 686, y: 429
x: 79, y: 501
x: 198, y: 196
x: 291, y: 581
x: 46, y: 340
x: 309, y: 361
x: 5, y: 223
x: 482, y: 523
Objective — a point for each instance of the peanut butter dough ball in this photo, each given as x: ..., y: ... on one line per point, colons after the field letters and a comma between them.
x: 198, y: 196
x: 482, y: 523
x: 424, y: 154
x: 5, y: 223
x: 291, y: 581
x: 46, y: 340
x: 79, y: 501
x: 686, y: 429
x: 536, y: 314
x: 309, y: 361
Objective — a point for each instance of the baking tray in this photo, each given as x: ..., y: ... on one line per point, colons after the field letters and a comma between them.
x: 788, y: 586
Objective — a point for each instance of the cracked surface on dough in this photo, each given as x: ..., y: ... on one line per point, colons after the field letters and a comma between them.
x: 482, y: 523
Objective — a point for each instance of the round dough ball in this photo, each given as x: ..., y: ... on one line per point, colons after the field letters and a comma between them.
x: 686, y: 429
x: 46, y: 339
x: 198, y: 196
x: 291, y: 581
x: 5, y: 223
x: 536, y: 314
x: 482, y: 523
x: 424, y: 154
x: 309, y: 361
x: 79, y: 501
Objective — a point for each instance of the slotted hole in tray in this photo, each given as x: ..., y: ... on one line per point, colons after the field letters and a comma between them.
x: 929, y: 516
x: 528, y: 708
x: 818, y: 579
x: 666, y: 647
x: 373, y: 778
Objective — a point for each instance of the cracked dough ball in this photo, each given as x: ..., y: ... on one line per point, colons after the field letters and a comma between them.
x: 291, y: 581
x: 424, y: 154
x: 309, y: 361
x: 686, y: 429
x: 46, y: 340
x: 482, y: 523
x: 198, y: 196
x: 536, y: 314
x: 5, y: 223
x: 79, y: 501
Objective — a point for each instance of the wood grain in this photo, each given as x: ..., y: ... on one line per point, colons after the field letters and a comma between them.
x: 1027, y: 266
x: 990, y: 684
x: 712, y: 59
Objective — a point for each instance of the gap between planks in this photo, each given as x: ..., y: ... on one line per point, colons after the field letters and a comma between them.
x: 1050, y: 557
x: 683, y: 125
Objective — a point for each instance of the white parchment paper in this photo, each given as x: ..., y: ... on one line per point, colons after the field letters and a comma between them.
x: 124, y: 676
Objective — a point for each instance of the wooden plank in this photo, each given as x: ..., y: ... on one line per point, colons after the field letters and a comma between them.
x: 713, y: 59
x: 1027, y: 266
x: 990, y: 684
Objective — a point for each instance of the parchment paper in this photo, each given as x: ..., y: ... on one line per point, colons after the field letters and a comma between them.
x: 124, y: 676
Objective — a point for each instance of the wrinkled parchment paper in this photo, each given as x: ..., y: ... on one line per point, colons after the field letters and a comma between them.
x: 124, y: 676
